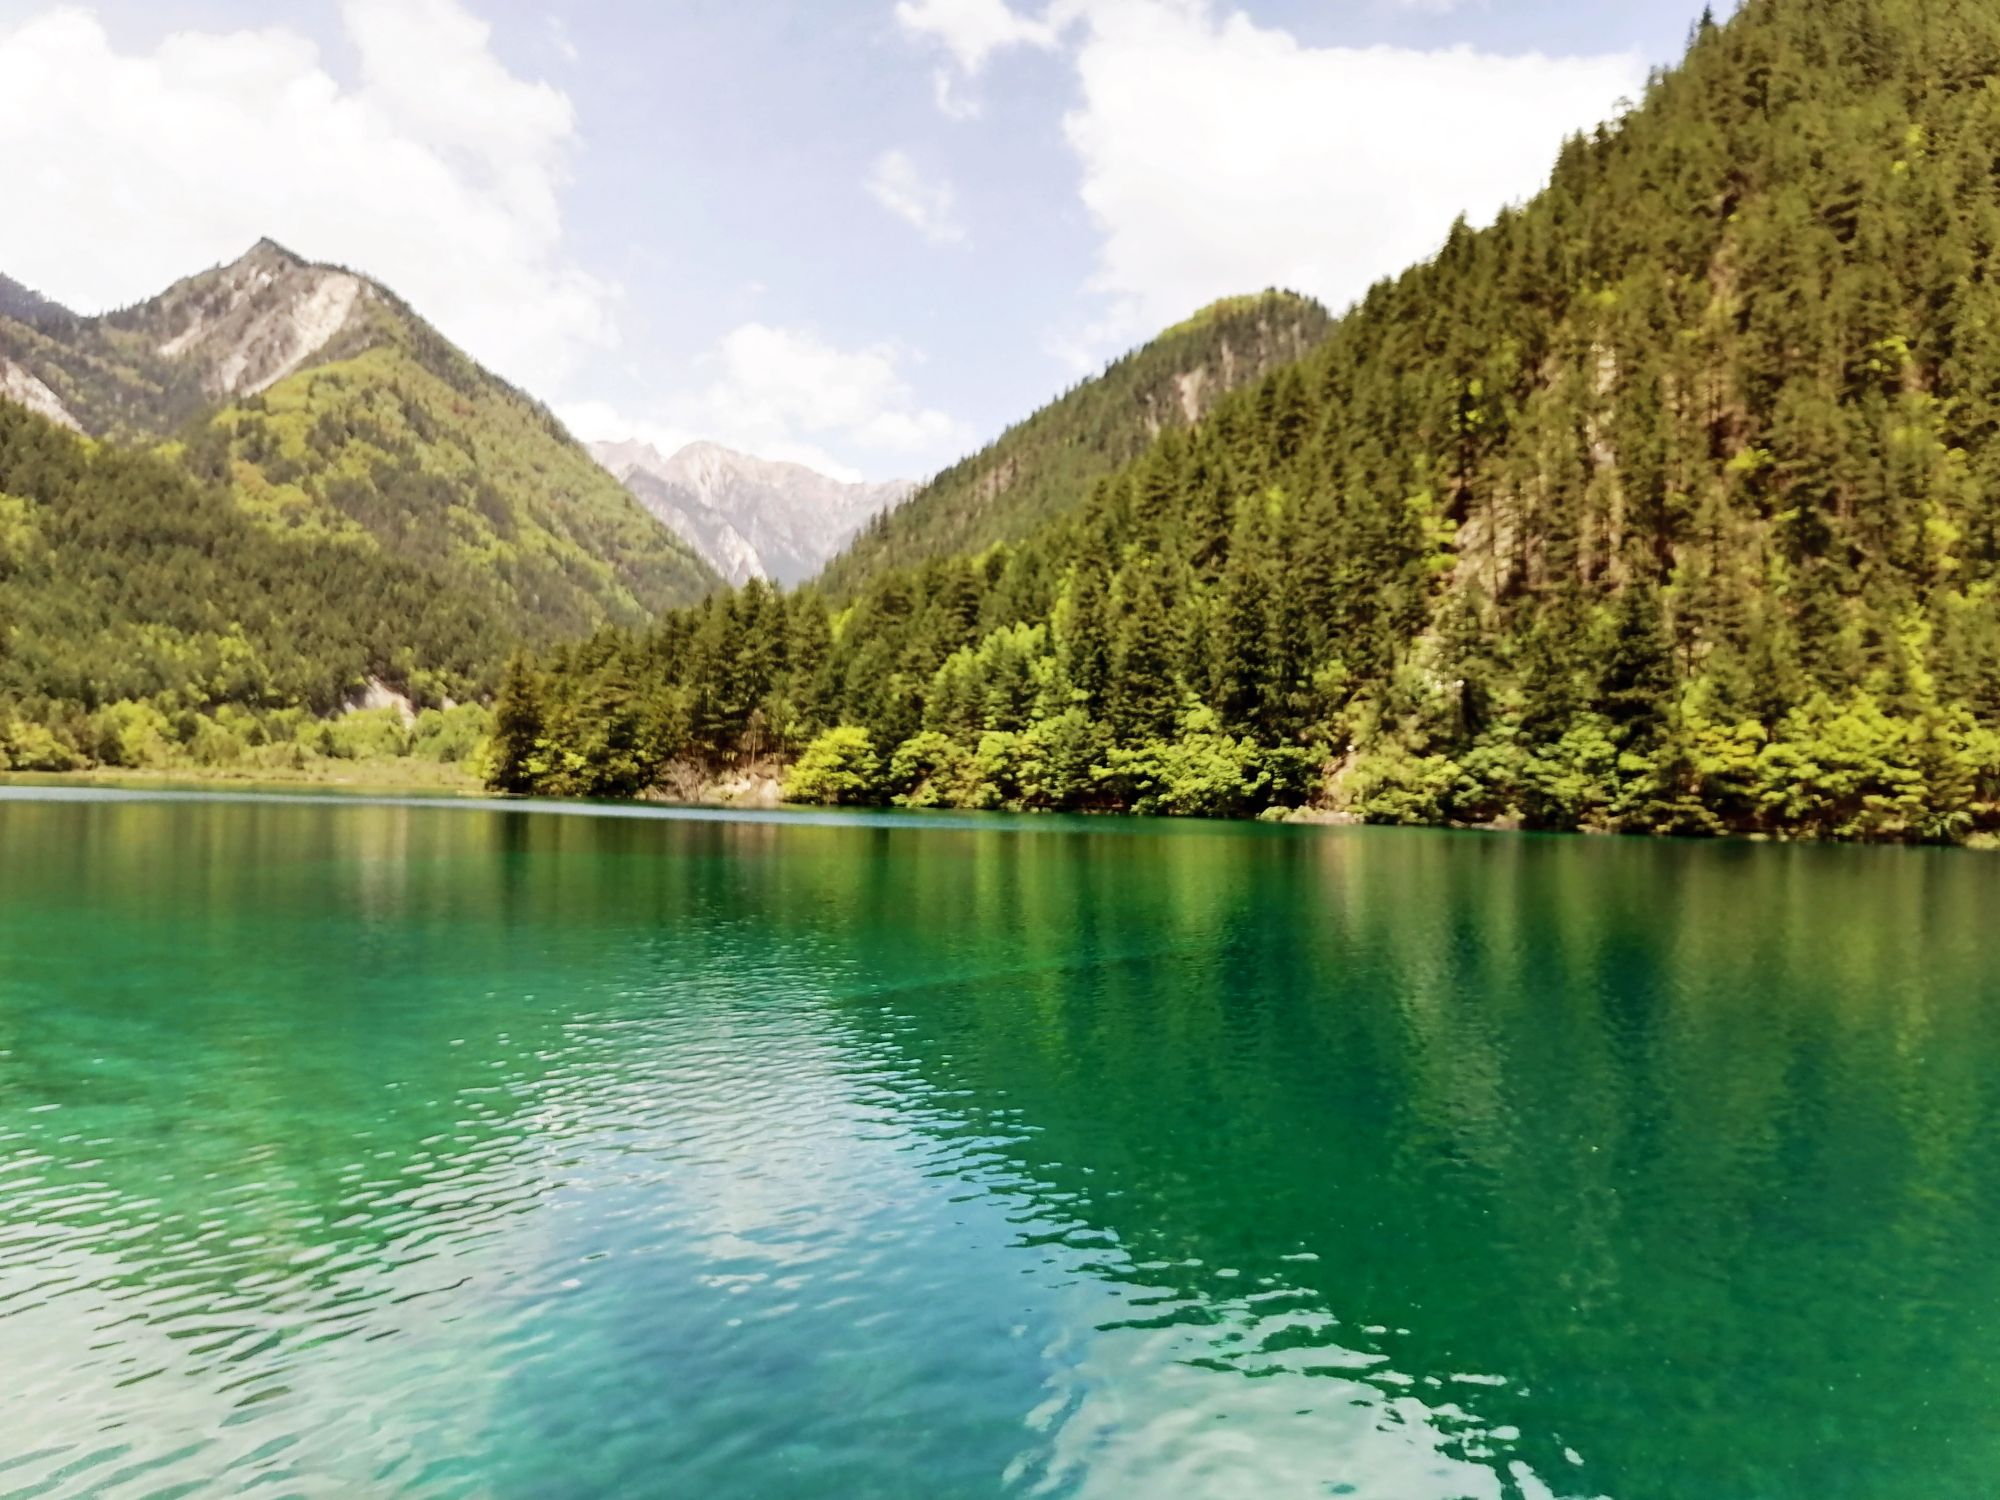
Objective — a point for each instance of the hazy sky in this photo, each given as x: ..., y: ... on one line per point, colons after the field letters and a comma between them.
x: 865, y: 233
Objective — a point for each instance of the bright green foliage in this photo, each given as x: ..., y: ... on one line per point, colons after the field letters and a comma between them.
x: 235, y: 739
x: 839, y: 769
x: 1205, y: 773
x: 28, y: 746
x: 371, y: 734
x: 1670, y: 503
x: 932, y: 770
x: 452, y: 736
x: 122, y: 580
x: 449, y: 468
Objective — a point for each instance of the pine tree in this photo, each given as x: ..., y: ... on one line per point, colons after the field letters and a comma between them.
x: 1145, y: 697
x: 1636, y: 683
x: 1241, y: 642
x: 517, y: 728
x: 1086, y: 638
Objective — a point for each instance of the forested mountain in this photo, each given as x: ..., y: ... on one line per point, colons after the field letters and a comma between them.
x: 748, y: 517
x: 140, y: 608
x: 17, y: 301
x: 292, y: 488
x: 328, y: 407
x: 1044, y: 466
x: 1670, y: 502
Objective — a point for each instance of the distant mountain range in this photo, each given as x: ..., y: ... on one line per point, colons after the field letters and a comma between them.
x: 749, y: 517
x: 275, y: 489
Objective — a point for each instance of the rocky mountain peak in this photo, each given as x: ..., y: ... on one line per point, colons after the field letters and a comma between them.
x: 748, y: 517
x: 244, y: 326
x: 269, y: 251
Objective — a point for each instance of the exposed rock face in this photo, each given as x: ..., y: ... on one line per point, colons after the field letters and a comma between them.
x: 16, y: 384
x: 248, y: 325
x: 748, y: 517
x: 377, y: 694
x: 226, y: 333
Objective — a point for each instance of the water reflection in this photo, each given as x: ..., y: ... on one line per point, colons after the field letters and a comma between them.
x: 377, y: 1149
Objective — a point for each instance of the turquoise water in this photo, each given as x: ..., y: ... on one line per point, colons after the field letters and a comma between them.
x: 358, y: 1148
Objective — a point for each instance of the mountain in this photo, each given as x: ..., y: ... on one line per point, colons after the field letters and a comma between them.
x: 26, y: 304
x: 141, y: 372
x: 273, y: 491
x: 328, y: 408
x: 1044, y: 465
x: 132, y: 596
x: 1668, y: 503
x: 748, y: 517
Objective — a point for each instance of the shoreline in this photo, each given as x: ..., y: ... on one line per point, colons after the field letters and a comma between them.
x: 448, y: 788
x: 366, y: 776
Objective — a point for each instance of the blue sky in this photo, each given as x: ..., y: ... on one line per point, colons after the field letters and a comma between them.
x: 864, y: 233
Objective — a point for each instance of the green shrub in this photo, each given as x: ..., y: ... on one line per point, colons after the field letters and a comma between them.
x: 368, y: 734
x: 450, y: 736
x: 29, y: 746
x: 930, y: 770
x: 839, y: 769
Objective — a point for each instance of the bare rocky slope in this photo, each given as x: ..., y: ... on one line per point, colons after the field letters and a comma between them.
x: 144, y: 370
x: 749, y: 517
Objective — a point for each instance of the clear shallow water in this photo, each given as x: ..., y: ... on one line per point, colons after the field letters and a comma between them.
x: 351, y: 1148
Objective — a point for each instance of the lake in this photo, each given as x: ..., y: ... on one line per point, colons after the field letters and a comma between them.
x: 371, y: 1148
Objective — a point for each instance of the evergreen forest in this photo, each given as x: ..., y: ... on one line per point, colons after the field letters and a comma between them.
x: 1669, y: 502
x: 147, y: 620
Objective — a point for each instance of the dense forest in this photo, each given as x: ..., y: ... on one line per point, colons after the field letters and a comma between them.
x: 146, y: 618
x: 1670, y: 502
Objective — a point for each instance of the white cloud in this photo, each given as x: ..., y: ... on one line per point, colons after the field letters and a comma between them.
x: 1218, y: 156
x: 899, y: 185
x: 440, y: 173
x: 973, y: 30
x: 787, y: 393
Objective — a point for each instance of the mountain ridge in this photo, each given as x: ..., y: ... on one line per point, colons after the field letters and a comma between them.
x: 748, y: 517
x: 25, y: 303
x: 273, y: 490
x: 326, y: 404
x: 1047, y: 461
x: 139, y: 372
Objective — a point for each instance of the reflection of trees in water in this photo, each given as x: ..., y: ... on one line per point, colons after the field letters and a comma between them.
x: 1681, y: 1142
